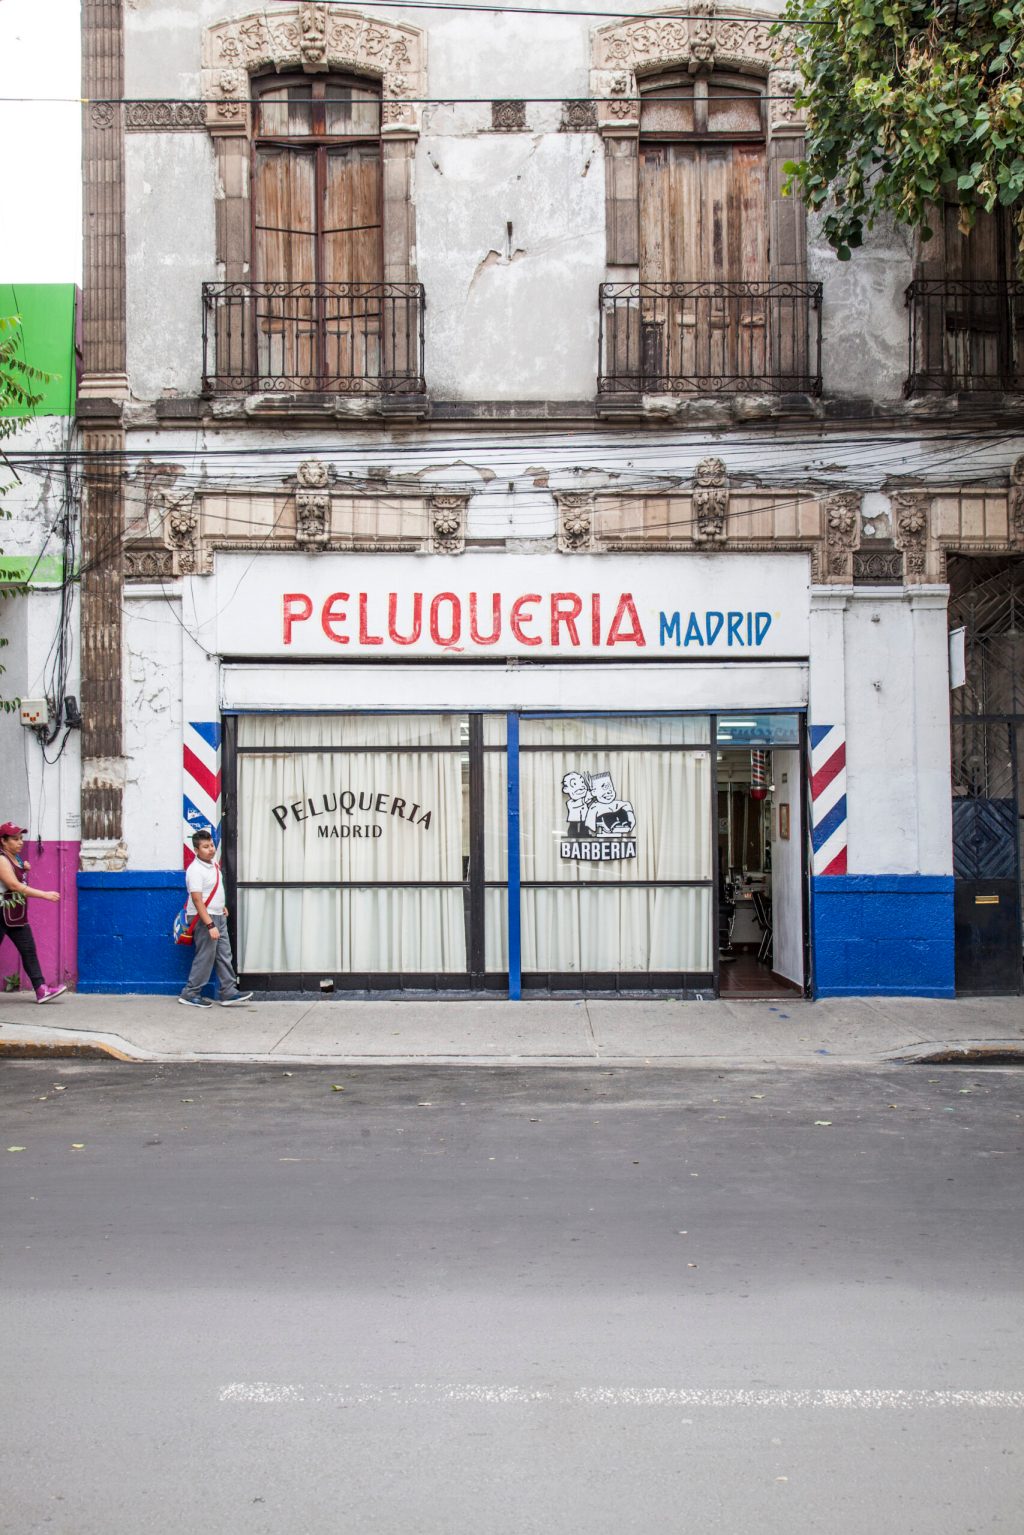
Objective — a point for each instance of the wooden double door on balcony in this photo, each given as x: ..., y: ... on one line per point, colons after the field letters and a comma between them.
x: 317, y: 244
x: 704, y: 230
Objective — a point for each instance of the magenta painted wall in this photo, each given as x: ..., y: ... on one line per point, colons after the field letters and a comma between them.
x: 55, y: 928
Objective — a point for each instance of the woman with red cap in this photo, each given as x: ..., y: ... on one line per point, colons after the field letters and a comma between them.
x: 14, y: 896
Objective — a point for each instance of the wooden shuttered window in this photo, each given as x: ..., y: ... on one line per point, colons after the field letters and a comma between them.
x: 317, y: 231
x: 973, y: 327
x: 704, y: 227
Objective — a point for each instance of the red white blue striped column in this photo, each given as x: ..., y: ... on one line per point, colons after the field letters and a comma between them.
x: 201, y: 798
x: 828, y: 798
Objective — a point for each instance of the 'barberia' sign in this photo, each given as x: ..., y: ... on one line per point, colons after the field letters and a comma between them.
x: 480, y: 606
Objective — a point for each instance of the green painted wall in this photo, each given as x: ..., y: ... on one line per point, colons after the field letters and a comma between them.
x: 47, y: 332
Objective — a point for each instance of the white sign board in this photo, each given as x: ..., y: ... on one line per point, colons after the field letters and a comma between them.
x: 686, y: 606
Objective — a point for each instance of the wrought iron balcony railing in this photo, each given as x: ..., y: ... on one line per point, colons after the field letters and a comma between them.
x: 710, y: 338
x: 965, y: 336
x: 330, y: 338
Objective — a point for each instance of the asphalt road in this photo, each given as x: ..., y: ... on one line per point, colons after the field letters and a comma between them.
x: 501, y: 1301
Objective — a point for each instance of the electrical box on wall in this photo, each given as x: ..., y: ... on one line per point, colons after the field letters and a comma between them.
x: 34, y: 712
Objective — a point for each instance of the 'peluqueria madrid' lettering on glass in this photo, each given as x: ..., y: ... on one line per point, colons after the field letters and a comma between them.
x: 351, y: 802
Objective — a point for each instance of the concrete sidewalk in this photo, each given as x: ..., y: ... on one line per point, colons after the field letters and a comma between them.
x: 567, y: 1031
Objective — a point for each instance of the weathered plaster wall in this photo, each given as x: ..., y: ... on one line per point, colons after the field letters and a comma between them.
x: 153, y: 729
x: 897, y: 733
x: 864, y: 317
x: 511, y: 252
x: 170, y: 187
x: 509, y: 316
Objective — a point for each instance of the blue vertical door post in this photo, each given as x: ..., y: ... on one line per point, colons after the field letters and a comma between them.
x: 515, y: 956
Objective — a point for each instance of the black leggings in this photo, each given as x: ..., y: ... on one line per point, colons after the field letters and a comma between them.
x: 22, y: 939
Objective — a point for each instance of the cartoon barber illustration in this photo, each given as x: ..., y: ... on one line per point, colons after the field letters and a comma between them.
x: 574, y: 787
x: 607, y: 815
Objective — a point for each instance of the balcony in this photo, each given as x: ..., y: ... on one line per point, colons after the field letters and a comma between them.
x: 319, y: 338
x: 710, y: 338
x: 965, y: 336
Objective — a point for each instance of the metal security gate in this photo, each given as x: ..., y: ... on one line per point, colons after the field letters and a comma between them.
x: 987, y: 601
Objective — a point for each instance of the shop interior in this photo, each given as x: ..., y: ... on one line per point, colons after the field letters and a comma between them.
x: 756, y: 819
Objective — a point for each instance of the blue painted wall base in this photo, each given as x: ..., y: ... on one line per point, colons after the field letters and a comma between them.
x: 873, y: 935
x: 886, y: 935
x: 124, y: 932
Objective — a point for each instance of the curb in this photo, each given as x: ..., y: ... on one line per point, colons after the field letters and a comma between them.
x: 991, y: 1052
x: 37, y: 1051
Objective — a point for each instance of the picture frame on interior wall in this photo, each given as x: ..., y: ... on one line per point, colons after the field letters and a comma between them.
x: 784, y: 823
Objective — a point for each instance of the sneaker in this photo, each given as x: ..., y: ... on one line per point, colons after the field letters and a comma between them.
x: 242, y: 996
x: 47, y: 993
x: 195, y: 1001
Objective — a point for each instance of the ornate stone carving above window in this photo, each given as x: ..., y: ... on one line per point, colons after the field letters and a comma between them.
x: 751, y: 519
x: 877, y: 566
x: 508, y: 117
x: 579, y: 116
x: 575, y: 520
x: 141, y: 564
x: 164, y: 116
x: 178, y: 532
x: 312, y: 504
x: 448, y: 522
x: 842, y: 533
x: 710, y: 501
x: 910, y: 517
x: 700, y: 43
x: 313, y: 38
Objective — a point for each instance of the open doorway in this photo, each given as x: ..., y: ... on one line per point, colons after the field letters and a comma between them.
x: 760, y: 873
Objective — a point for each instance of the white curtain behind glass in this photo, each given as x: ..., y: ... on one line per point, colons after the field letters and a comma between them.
x: 670, y: 793
x: 374, y: 814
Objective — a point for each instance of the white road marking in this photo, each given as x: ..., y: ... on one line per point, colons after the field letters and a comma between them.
x: 267, y: 1393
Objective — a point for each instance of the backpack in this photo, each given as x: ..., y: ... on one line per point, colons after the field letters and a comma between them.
x: 185, y: 926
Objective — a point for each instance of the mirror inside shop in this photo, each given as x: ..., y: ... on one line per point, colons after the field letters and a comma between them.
x: 759, y: 924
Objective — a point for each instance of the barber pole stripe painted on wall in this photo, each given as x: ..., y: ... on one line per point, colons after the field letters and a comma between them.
x: 201, y: 798
x: 828, y: 798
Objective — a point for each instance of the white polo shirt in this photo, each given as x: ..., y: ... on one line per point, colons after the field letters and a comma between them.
x: 200, y: 879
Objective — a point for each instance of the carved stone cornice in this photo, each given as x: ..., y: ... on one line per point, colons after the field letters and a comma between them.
x: 579, y: 116
x: 910, y: 530
x: 312, y: 37
x: 147, y: 564
x: 842, y: 533
x: 576, y: 510
x: 873, y: 566
x: 448, y: 523
x: 164, y: 116
x: 710, y: 501
x: 699, y: 43
x: 508, y: 117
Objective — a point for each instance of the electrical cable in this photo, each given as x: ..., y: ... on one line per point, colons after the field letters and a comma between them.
x: 621, y: 531
x: 831, y: 434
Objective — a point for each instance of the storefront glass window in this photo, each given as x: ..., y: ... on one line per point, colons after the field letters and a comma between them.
x: 332, y: 811
x: 377, y: 845
x: 619, y: 930
x: 758, y: 730
x: 644, y: 730
x: 575, y: 803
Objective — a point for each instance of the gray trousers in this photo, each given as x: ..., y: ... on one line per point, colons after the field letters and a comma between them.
x: 206, y: 952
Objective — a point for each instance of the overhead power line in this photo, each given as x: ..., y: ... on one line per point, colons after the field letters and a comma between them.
x: 408, y: 101
x: 606, y: 15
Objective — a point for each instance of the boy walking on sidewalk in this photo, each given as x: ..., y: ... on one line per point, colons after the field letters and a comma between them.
x: 212, y: 946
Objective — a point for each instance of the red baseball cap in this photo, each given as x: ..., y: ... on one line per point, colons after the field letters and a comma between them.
x: 8, y: 829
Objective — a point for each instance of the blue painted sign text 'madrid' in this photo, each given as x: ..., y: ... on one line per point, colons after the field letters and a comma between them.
x: 745, y: 630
